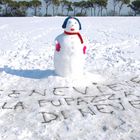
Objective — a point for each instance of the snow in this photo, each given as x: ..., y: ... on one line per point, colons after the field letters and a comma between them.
x: 36, y: 104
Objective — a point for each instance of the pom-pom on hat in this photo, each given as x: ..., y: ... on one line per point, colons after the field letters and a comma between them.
x: 66, y: 20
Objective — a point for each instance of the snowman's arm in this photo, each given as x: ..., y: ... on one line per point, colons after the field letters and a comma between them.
x: 57, y: 46
x: 85, y: 44
x: 84, y: 49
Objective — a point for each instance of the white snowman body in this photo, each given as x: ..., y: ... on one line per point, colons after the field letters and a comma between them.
x: 69, y: 60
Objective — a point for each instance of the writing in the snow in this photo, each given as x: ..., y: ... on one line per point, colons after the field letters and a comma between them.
x: 65, y: 102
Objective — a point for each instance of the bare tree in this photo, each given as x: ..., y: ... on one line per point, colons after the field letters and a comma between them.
x: 75, y: 6
x: 92, y: 4
x: 135, y: 6
x: 63, y: 5
x: 5, y: 4
x: 69, y: 7
x: 115, y: 2
x: 55, y: 5
x: 122, y: 3
x: 102, y: 5
x: 48, y: 3
x: 35, y: 4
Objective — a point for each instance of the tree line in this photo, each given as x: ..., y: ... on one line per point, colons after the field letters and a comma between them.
x: 65, y: 7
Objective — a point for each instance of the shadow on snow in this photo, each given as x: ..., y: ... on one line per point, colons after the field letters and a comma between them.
x: 35, y: 73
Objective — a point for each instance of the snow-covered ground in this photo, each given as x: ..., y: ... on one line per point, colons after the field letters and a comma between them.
x: 36, y: 104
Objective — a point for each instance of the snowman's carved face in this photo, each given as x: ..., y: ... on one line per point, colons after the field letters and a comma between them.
x: 72, y: 25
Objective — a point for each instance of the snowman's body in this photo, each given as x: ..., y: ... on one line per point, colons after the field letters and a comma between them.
x: 69, y: 58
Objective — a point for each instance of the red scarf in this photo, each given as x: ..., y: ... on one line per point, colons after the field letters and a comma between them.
x: 76, y: 33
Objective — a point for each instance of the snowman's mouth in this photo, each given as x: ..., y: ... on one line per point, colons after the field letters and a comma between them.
x: 72, y: 29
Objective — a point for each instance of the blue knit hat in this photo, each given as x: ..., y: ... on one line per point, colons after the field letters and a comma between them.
x: 66, y: 20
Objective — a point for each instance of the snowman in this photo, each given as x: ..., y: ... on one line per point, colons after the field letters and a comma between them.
x: 70, y: 50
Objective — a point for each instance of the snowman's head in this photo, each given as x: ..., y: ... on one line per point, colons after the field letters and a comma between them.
x: 71, y: 24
